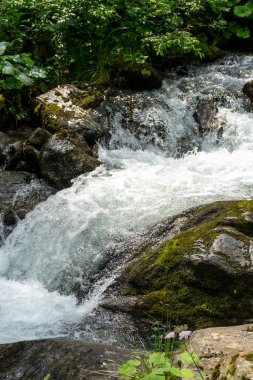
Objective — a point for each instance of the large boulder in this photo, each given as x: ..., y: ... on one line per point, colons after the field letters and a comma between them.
x: 76, y: 108
x: 19, y: 193
x: 197, y: 267
x: 59, y: 359
x: 65, y: 156
x: 226, y: 352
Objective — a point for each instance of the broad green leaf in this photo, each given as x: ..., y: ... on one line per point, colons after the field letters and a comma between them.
x: 242, y: 11
x: 243, y: 32
x: 37, y: 72
x: 161, y: 370
x: 23, y: 78
x: 8, y: 69
x: 14, y: 58
x: 3, y: 47
x: 189, y: 358
x: 26, y: 57
x: 127, y: 369
x: 152, y: 376
x: 188, y: 373
x: 158, y: 358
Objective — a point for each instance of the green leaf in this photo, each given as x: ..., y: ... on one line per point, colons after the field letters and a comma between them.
x: 158, y: 358
x: 3, y: 47
x: 23, y: 78
x: 242, y: 11
x: 188, y: 373
x: 127, y: 369
x: 161, y: 370
x: 8, y: 69
x: 37, y: 72
x: 243, y: 32
x: 152, y: 376
x: 26, y: 57
x: 189, y: 358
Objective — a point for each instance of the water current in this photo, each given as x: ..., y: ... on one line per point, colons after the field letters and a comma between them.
x: 139, y: 183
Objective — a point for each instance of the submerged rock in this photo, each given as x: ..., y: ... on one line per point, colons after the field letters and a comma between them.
x: 206, y: 117
x: 19, y: 193
x: 198, y: 267
x: 226, y: 352
x: 61, y: 359
x: 65, y: 156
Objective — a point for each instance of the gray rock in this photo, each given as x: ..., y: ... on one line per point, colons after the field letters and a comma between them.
x: 39, y: 137
x: 19, y: 193
x: 61, y: 359
x: 248, y: 90
x: 65, y: 156
x: 206, y: 117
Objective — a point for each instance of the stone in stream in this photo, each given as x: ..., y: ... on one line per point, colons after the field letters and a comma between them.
x: 198, y: 267
x: 61, y: 359
x: 20, y: 192
x: 206, y: 117
x: 248, y: 90
x: 65, y: 156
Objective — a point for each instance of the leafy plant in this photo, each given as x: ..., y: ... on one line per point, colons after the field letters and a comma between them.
x: 17, y: 70
x: 162, y: 365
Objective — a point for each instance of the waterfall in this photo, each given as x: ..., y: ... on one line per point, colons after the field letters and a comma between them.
x: 143, y: 179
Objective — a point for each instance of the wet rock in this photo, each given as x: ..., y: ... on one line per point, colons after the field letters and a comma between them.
x: 248, y: 90
x: 77, y: 108
x: 19, y: 193
x: 5, y: 140
x: 206, y: 117
x: 61, y: 359
x: 38, y: 138
x: 65, y: 156
x: 117, y: 117
x: 197, y: 265
x: 226, y: 352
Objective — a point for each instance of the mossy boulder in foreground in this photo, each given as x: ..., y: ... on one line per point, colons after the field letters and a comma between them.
x: 195, y: 268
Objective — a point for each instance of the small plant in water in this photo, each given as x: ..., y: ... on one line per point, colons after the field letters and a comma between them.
x: 165, y: 365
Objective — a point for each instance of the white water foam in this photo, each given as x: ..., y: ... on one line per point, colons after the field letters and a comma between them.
x: 64, y: 239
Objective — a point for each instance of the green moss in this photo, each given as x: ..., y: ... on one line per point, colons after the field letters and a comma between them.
x: 54, y: 117
x: 216, y: 372
x: 232, y: 367
x: 249, y: 357
x: 89, y: 98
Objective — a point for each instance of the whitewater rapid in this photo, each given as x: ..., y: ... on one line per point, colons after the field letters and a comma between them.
x: 63, y: 240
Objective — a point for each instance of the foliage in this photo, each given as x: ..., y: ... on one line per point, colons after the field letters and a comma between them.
x: 162, y: 366
x: 16, y: 72
x: 103, y: 39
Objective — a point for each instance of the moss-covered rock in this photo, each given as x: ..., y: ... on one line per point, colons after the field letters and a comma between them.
x: 76, y: 108
x: 200, y: 271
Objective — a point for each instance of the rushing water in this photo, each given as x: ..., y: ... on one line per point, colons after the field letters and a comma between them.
x: 64, y: 239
